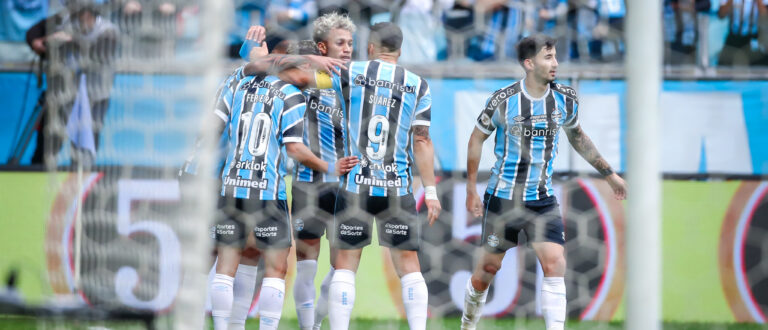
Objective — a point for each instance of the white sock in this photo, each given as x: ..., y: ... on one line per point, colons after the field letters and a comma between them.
x: 221, y: 300
x: 341, y: 298
x: 415, y: 299
x: 245, y: 284
x: 304, y: 293
x: 321, y: 308
x: 271, y: 302
x: 553, y: 302
x: 473, y: 306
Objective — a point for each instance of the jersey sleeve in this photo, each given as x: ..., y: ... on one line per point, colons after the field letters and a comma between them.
x: 292, y: 122
x: 571, y: 112
x: 423, y: 114
x: 485, y: 120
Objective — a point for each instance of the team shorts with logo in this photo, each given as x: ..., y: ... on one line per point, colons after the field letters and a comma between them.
x: 396, y: 218
x: 313, y: 208
x: 539, y: 220
x: 267, y: 219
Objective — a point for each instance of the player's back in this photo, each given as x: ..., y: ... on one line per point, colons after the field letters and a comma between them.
x: 382, y: 101
x: 527, y: 138
x: 323, y: 133
x: 265, y: 113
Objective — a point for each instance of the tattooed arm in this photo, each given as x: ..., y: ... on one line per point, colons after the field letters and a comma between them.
x: 584, y: 146
x: 298, y: 70
x: 424, y: 157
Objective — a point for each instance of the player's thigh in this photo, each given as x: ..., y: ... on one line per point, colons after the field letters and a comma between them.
x: 232, y: 223
x: 353, y: 223
x: 398, y: 222
x: 273, y: 228
x: 551, y: 256
x: 545, y: 223
x: 502, y: 223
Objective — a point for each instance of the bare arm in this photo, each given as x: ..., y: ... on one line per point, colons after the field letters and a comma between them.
x: 474, y: 152
x: 584, y: 146
x: 424, y: 154
x: 300, y: 153
x: 301, y: 68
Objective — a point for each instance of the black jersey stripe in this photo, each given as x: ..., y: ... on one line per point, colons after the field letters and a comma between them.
x: 366, y: 112
x: 313, y: 128
x: 523, y: 166
x: 549, y: 143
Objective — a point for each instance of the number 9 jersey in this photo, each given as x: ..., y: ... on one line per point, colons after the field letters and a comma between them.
x: 262, y: 113
x: 381, y: 103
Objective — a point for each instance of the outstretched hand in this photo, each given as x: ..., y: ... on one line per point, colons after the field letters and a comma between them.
x: 433, y: 210
x: 618, y: 186
x: 327, y: 64
x: 345, y: 164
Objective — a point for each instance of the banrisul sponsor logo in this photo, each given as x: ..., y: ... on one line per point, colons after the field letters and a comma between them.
x: 362, y: 80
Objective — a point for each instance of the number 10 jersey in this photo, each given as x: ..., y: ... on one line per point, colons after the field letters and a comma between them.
x: 262, y: 114
x: 381, y: 103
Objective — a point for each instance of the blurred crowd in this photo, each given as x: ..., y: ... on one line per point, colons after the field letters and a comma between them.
x: 588, y: 31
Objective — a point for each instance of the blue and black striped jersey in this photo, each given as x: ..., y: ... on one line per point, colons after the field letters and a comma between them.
x: 323, y: 133
x: 382, y: 102
x: 261, y: 114
x: 527, y: 135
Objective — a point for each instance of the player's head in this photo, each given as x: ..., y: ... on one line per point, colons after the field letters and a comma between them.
x: 536, y: 54
x: 304, y: 47
x: 385, y: 38
x: 333, y: 34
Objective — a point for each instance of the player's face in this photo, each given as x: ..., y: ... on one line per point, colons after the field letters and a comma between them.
x: 545, y: 64
x: 337, y: 45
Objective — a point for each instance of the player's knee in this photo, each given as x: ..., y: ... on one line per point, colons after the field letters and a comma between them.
x: 553, y: 266
x: 491, y: 268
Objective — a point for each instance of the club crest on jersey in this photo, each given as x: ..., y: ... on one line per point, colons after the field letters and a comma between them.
x: 299, y: 224
x: 493, y: 240
x: 484, y: 119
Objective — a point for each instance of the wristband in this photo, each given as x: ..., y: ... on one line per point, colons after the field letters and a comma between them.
x: 331, y: 167
x: 246, y: 48
x: 430, y: 192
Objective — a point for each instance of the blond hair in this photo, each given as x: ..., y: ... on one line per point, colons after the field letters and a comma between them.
x: 324, y: 24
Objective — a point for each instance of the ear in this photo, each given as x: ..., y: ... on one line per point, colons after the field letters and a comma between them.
x: 323, y: 48
x: 528, y: 64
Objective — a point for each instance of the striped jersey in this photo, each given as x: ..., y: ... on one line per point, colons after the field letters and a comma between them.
x: 527, y: 135
x: 220, y: 106
x: 744, y: 16
x: 323, y: 133
x: 261, y: 113
x: 382, y: 102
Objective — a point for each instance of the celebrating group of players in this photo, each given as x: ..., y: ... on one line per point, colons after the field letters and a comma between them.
x: 354, y: 131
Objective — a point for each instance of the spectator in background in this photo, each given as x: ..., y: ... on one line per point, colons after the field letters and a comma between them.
x: 423, y: 31
x: 507, y: 23
x: 247, y: 13
x: 81, y: 47
x: 583, y: 19
x: 610, y: 29
x: 149, y: 27
x: 741, y: 44
x: 551, y: 20
x: 685, y: 29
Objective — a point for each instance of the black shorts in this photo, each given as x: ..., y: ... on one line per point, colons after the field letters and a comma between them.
x: 502, y: 222
x: 396, y: 217
x: 312, y: 208
x: 268, y: 220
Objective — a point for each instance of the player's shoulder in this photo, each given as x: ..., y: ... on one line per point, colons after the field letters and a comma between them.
x: 565, y: 90
x: 504, y: 93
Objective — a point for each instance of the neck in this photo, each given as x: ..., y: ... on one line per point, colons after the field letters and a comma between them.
x: 534, y: 87
x: 387, y: 57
